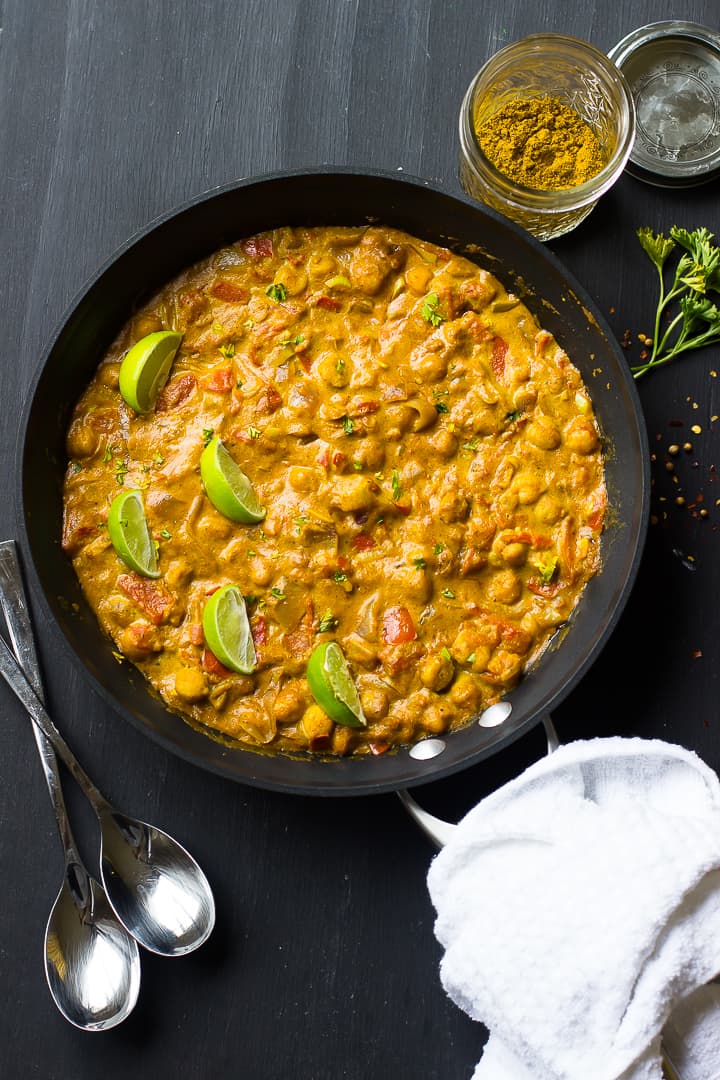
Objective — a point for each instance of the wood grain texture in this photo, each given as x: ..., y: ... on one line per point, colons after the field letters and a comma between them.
x: 323, y: 964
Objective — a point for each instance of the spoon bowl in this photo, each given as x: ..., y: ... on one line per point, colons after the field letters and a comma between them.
x: 92, y: 965
x: 154, y: 885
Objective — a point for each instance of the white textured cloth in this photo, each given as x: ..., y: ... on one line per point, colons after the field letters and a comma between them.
x: 579, y: 905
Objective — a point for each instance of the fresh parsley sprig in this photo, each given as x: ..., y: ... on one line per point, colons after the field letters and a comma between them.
x: 697, y: 272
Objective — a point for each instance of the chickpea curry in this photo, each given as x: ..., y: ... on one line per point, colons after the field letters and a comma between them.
x: 428, y: 465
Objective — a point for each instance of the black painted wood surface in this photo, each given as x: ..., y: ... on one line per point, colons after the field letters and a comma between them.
x: 323, y: 963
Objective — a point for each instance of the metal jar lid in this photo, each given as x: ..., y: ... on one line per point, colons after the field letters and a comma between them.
x: 673, y: 70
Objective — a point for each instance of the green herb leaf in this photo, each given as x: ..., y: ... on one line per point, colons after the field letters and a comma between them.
x: 339, y: 576
x: 696, y: 323
x: 448, y: 594
x: 277, y: 292
x: 277, y: 593
x: 441, y: 407
x: 420, y: 563
x: 208, y: 433
x: 254, y: 432
x: 445, y: 653
x: 438, y: 549
x: 327, y: 622
x: 546, y: 566
x: 228, y: 350
x: 348, y: 425
x: 166, y: 535
x: 430, y: 310
x: 396, y: 485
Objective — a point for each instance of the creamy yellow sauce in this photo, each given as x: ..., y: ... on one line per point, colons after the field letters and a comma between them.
x: 429, y: 460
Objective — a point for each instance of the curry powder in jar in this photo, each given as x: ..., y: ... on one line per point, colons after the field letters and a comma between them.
x: 541, y: 143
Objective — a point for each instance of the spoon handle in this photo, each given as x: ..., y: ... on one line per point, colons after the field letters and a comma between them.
x: 51, y: 742
x: 15, y: 609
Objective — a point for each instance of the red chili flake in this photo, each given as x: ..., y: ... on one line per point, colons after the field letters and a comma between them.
x: 363, y: 542
x: 230, y: 292
x: 150, y: 596
x: 500, y: 349
x: 398, y: 626
x: 212, y: 665
x: 338, y: 459
x: 258, y: 247
x: 175, y: 392
x: 697, y: 654
x: 220, y: 381
x: 626, y: 340
x: 212, y: 589
x: 328, y: 303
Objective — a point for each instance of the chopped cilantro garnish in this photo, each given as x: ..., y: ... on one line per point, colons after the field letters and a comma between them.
x: 208, y: 433
x: 254, y: 432
x: 420, y: 563
x: 277, y: 292
x: 441, y: 407
x: 438, y: 549
x: 166, y: 535
x: 396, y: 485
x: 445, y: 653
x: 159, y: 459
x: 348, y: 425
x: 277, y: 593
x: 448, y: 594
x: 339, y: 576
x: 120, y: 471
x: 228, y: 350
x: 109, y: 451
x: 430, y: 310
x: 328, y: 622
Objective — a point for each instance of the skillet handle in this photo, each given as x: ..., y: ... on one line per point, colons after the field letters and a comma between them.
x: 440, y: 831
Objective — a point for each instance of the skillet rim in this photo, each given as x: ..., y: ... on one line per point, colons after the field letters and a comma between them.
x: 348, y: 775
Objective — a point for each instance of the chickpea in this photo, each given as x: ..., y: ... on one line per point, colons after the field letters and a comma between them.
x: 261, y: 571
x: 524, y: 398
x: 191, y: 684
x: 548, y: 510
x: 334, y: 369
x: 429, y: 366
x: 437, y: 672
x: 317, y: 727
x: 505, y: 666
x: 321, y: 266
x: 109, y: 375
x: 368, y: 273
x: 370, y: 454
x: 436, y: 718
x: 352, y: 493
x: 528, y: 487
x: 543, y: 432
x: 138, y: 640
x: 400, y: 419
x: 581, y: 435
x: 213, y: 527
x: 375, y: 702
x: 465, y: 644
x: 466, y: 692
x: 289, y: 703
x: 504, y: 587
x: 417, y: 278
x: 444, y: 443
x: 416, y: 584
x: 515, y: 554
x: 178, y: 574
x: 292, y: 277
x: 302, y: 478
x: 484, y: 421
x: 82, y: 441
x: 453, y: 506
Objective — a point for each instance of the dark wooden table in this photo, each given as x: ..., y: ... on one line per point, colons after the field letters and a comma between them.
x: 323, y: 963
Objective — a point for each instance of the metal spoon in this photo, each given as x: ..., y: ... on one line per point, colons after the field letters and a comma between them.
x: 153, y: 884
x: 92, y: 964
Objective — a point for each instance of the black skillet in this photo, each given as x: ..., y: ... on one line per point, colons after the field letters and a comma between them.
x: 326, y: 198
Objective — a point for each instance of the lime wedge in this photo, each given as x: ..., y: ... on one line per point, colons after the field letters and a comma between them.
x: 332, y: 686
x: 130, y: 536
x: 227, y: 486
x: 145, y: 368
x: 227, y: 630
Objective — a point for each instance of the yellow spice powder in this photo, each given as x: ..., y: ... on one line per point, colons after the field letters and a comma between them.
x: 541, y: 143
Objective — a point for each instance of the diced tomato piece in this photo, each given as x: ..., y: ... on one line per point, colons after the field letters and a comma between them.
x: 259, y: 631
x: 365, y: 408
x: 299, y: 643
x: 363, y: 542
x: 240, y: 435
x: 258, y: 247
x: 343, y: 563
x: 270, y: 400
x: 150, y: 596
x: 212, y: 665
x: 195, y: 633
x: 328, y: 303
x: 535, y: 585
x: 175, y: 392
x: 398, y: 626
x: 220, y: 381
x: 500, y: 349
x: 230, y: 292
x: 378, y: 748
x: 323, y: 457
x: 338, y: 459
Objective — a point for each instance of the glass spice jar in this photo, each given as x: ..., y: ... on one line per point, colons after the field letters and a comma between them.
x: 576, y: 74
